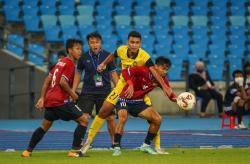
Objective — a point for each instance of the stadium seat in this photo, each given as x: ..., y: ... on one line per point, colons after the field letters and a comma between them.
x: 104, y: 11
x: 141, y: 11
x: 91, y: 2
x: 32, y: 23
x: 161, y: 20
x: 67, y: 3
x: 48, y: 10
x: 237, y: 20
x: 30, y: 10
x: 36, y: 48
x: 13, y: 3
x: 38, y: 60
x: 49, y: 20
x: 180, y: 20
x: 84, y: 20
x: 85, y: 30
x: 66, y: 10
x: 85, y: 10
x: 180, y: 11
x: 122, y: 20
x: 15, y: 43
x: 123, y: 10
x: 162, y: 3
x: 141, y: 20
x: 49, y: 2
x: 12, y: 14
x: 215, y: 71
x: 174, y: 73
x: 30, y: 3
x: 198, y: 10
x: 199, y: 20
x: 52, y: 34
x: 66, y: 20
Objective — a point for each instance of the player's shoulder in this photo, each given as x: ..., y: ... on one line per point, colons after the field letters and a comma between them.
x: 122, y: 48
x: 144, y: 53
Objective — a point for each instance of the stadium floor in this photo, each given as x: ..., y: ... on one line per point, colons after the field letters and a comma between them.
x: 183, y: 132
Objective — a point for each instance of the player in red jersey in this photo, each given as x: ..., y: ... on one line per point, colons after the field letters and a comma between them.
x: 140, y: 82
x: 58, y: 98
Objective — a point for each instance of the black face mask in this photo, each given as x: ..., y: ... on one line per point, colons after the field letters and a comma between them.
x: 200, y: 70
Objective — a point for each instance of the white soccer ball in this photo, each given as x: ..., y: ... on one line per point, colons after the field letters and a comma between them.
x: 186, y: 101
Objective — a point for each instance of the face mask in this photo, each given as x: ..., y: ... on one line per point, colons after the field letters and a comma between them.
x: 200, y: 70
x: 239, y: 80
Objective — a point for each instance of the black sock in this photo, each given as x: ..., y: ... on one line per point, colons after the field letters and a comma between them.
x: 149, y: 138
x: 118, y: 138
x: 78, y: 136
x: 36, y: 137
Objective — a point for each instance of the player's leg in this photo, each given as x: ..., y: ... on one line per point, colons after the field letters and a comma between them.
x: 99, y: 99
x: 123, y: 116
x: 155, y: 121
x: 37, y: 137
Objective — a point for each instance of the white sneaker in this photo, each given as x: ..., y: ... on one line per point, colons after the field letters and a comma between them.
x: 86, y: 147
x: 147, y: 148
x: 240, y: 126
x: 117, y: 151
x: 160, y: 151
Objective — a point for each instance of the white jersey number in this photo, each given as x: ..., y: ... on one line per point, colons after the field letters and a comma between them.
x: 54, y: 78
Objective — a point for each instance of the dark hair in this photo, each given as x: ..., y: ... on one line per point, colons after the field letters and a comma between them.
x: 94, y: 35
x: 71, y: 42
x: 61, y: 53
x: 237, y: 71
x: 161, y: 60
x: 134, y: 34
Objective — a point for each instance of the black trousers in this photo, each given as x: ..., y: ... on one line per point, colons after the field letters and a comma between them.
x: 207, y: 95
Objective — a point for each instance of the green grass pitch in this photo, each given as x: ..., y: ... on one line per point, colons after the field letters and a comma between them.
x: 177, y: 155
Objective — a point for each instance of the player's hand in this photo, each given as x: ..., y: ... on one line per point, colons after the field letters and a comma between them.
x: 74, y: 97
x: 101, y: 67
x: 40, y: 104
x: 129, y: 92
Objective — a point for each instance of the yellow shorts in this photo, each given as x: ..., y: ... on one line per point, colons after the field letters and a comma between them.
x: 114, y: 94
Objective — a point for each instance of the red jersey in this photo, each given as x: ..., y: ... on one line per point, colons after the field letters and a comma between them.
x: 143, y: 82
x: 56, y: 96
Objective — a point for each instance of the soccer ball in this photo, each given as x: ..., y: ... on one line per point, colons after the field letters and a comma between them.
x: 186, y: 101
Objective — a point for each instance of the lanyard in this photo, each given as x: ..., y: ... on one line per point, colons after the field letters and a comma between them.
x: 92, y: 60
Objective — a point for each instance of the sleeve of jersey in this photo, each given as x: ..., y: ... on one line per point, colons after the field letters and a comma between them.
x: 67, y: 71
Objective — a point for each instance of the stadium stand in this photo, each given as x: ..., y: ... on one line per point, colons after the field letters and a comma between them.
x: 189, y: 30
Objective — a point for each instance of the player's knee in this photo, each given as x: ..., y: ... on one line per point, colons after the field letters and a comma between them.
x: 84, y: 119
x: 157, y: 120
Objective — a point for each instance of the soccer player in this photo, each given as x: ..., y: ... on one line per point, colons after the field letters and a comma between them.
x: 96, y: 86
x: 131, y: 55
x: 142, y: 82
x: 55, y: 98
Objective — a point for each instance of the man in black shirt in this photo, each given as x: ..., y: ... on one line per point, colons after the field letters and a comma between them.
x: 235, y: 99
x: 203, y: 86
x: 96, y: 85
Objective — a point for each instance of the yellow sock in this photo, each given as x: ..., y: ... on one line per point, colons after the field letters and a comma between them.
x: 157, y: 140
x: 95, y: 127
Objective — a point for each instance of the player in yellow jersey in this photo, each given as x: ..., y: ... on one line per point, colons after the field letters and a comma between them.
x: 131, y: 55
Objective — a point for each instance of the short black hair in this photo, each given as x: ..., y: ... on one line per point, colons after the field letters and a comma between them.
x: 94, y: 35
x: 134, y: 34
x: 61, y: 53
x: 237, y: 71
x: 71, y: 42
x: 161, y: 60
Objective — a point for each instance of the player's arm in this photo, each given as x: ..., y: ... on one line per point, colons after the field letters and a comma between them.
x: 46, y: 83
x: 167, y: 90
x: 77, y: 80
x: 108, y: 59
x: 114, y: 77
x: 172, y: 96
x: 65, y: 86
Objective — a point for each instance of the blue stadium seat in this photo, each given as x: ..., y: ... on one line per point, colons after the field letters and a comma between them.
x: 85, y: 30
x: 220, y: 3
x: 30, y: 10
x: 217, y: 49
x: 110, y: 39
x: 48, y: 10
x: 160, y: 30
x: 182, y: 3
x: 215, y: 71
x: 36, y: 48
x: 66, y: 10
x: 160, y: 20
x: 180, y: 20
x: 122, y: 20
x: 49, y: 2
x: 90, y: 2
x: 142, y: 20
x: 67, y: 3
x: 197, y: 10
x: 139, y: 10
x: 174, y: 73
x: 237, y: 20
x: 84, y: 20
x: 218, y: 30
x: 122, y: 10
x: 85, y: 10
x: 66, y: 20
x: 49, y: 20
x: 144, y: 3
x: 70, y: 30
x: 52, y: 34
x: 199, y: 20
x: 104, y: 11
x: 15, y: 44
x: 38, y: 60
x: 103, y: 20
x: 12, y: 14
x: 238, y: 3
x: 236, y: 50
x: 13, y: 3
x: 30, y: 3
x: 162, y: 3
x: 219, y: 21
x: 192, y: 59
x: 180, y: 11
x: 216, y: 59
x: 235, y: 10
x: 202, y: 4
x: 104, y: 29
x: 32, y: 23
x: 176, y: 60
x: 162, y: 49
x: 162, y: 12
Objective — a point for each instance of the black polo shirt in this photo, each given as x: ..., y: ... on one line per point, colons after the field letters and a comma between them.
x: 88, y: 63
x: 230, y: 94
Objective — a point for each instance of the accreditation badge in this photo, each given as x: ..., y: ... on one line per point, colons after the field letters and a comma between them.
x: 98, y: 80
